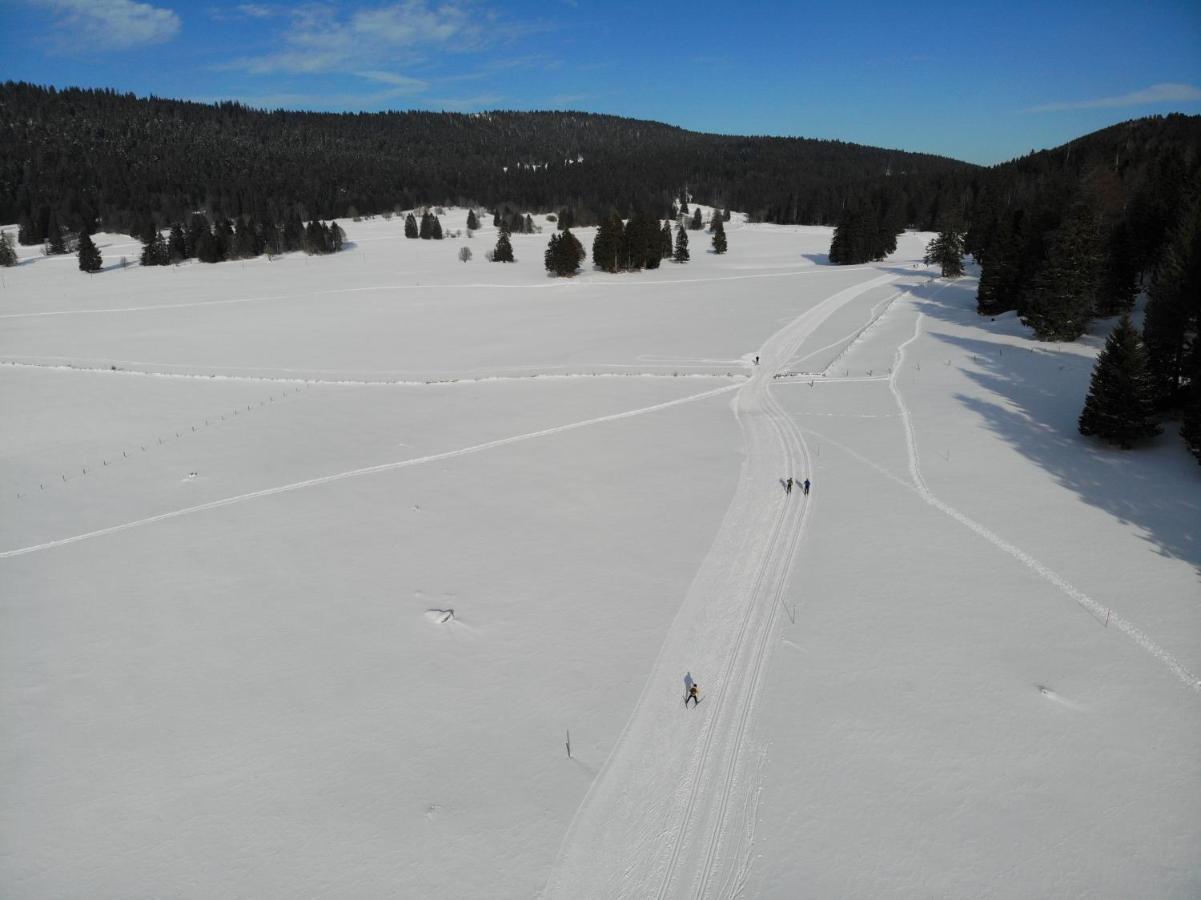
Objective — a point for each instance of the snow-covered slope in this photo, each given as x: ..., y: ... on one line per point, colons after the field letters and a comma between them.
x: 240, y: 503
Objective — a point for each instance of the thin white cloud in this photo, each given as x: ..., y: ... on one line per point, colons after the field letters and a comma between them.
x: 322, y: 38
x: 399, y: 82
x: 1153, y: 95
x: 112, y: 24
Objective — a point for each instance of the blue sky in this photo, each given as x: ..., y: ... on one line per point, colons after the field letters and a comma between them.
x: 980, y: 82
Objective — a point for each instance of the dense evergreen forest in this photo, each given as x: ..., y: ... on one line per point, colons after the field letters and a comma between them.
x: 1076, y: 233
x: 88, y: 158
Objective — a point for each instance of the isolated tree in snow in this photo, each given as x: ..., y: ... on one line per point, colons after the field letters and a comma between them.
x: 719, y: 236
x: 1120, y: 403
x: 411, y: 226
x: 564, y: 254
x: 946, y: 251
x: 8, y: 255
x: 681, y: 254
x: 666, y: 246
x: 698, y: 221
x: 716, y: 219
x: 473, y: 223
x: 504, y: 248
x: 89, y: 255
x: 464, y: 254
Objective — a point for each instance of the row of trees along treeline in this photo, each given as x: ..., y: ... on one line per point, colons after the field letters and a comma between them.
x: 99, y: 159
x: 1068, y: 235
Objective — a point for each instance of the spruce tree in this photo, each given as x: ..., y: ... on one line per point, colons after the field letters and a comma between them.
x: 435, y: 229
x: 8, y: 255
x: 177, y: 250
x: 55, y: 241
x: 564, y: 253
x: 89, y: 255
x: 473, y: 223
x: 946, y: 251
x: 1119, y: 279
x: 719, y: 236
x: 1120, y: 403
x: 154, y: 249
x: 607, y: 245
x: 1174, y: 306
x: 411, y: 226
x: 666, y: 247
x: 337, y: 237
x: 504, y: 248
x: 681, y: 254
x: 1060, y: 302
x: 698, y: 221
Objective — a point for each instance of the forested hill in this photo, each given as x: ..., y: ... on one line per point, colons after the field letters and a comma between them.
x: 84, y: 157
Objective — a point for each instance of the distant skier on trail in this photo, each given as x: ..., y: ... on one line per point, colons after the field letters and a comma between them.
x: 805, y: 487
x: 693, y: 695
x: 788, y: 485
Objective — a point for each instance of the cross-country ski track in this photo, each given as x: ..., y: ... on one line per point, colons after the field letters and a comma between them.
x: 630, y: 838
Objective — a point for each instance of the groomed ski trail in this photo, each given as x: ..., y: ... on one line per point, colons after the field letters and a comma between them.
x: 656, y: 820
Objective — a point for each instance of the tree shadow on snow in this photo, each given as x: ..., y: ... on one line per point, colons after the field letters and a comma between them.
x: 1040, y: 390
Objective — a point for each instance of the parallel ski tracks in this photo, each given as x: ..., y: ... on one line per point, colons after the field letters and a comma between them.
x: 697, y: 853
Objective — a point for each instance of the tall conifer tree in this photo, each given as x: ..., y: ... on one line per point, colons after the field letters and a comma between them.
x: 89, y: 255
x: 1120, y: 403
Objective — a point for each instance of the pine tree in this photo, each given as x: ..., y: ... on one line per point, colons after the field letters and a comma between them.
x: 25, y: 231
x: 1120, y: 403
x: 8, y: 255
x: 946, y: 251
x: 697, y: 222
x: 681, y: 254
x: 1119, y: 279
x: 606, y: 246
x: 716, y: 219
x: 473, y: 223
x: 55, y: 240
x: 435, y: 229
x: 527, y: 227
x: 1190, y: 421
x: 1060, y: 302
x: 1174, y: 306
x: 89, y: 255
x: 411, y: 226
x: 666, y: 247
x: 176, y: 244
x: 504, y: 248
x: 566, y: 219
x: 154, y: 249
x: 564, y: 253
x: 719, y: 236
x: 337, y: 237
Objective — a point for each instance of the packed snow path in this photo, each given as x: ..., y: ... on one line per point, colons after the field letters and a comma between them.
x: 630, y: 837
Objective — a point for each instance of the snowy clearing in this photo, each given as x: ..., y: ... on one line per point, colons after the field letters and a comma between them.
x: 312, y: 567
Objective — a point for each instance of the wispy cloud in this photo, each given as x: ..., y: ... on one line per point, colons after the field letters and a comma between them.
x: 111, y: 24
x: 1153, y: 95
x: 322, y: 38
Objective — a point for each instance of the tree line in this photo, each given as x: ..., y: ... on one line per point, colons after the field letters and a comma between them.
x: 97, y: 159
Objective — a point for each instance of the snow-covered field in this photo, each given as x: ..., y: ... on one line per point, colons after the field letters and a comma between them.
x: 310, y: 566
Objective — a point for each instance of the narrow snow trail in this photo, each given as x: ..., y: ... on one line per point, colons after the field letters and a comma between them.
x: 355, y: 473
x: 1097, y: 610
x: 657, y: 820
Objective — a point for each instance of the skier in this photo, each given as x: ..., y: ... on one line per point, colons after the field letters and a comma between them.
x: 788, y: 485
x: 693, y: 695
x: 756, y: 360
x: 805, y: 487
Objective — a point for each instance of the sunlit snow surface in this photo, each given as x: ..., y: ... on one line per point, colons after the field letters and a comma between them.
x: 308, y: 567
